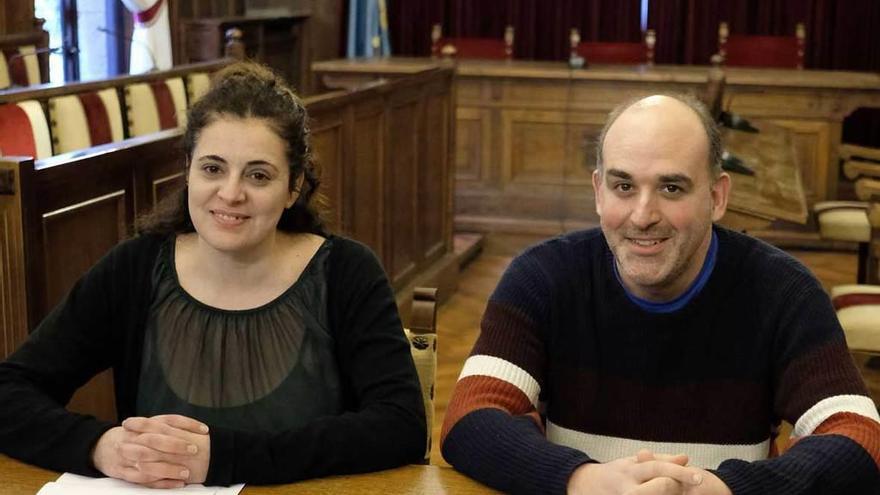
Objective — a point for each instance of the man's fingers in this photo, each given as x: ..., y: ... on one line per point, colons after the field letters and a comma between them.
x: 658, y: 486
x: 649, y: 470
x: 166, y: 444
x: 183, y: 422
x: 646, y: 455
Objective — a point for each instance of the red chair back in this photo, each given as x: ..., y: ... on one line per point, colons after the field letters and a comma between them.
x: 487, y: 48
x: 612, y: 53
x: 762, y: 51
x: 600, y: 52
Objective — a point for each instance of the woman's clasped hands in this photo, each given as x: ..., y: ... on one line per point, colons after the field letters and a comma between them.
x: 167, y: 451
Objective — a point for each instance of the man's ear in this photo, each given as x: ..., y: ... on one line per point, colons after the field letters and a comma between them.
x: 720, y: 194
x: 597, y: 190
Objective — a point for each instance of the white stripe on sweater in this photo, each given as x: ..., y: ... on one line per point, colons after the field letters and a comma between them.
x: 825, y: 408
x: 501, y: 369
x: 604, y: 448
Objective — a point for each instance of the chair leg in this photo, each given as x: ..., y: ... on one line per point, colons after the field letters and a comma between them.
x: 862, y: 274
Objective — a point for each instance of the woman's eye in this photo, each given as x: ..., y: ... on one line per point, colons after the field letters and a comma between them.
x: 260, y: 176
x: 211, y: 169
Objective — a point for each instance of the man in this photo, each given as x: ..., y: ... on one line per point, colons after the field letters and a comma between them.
x: 661, y: 351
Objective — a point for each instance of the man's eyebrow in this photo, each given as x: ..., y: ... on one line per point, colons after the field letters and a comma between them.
x: 620, y: 174
x: 676, y: 179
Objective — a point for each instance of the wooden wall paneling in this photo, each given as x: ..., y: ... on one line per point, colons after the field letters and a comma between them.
x: 811, y: 143
x: 402, y: 180
x: 433, y: 176
x: 328, y: 145
x: 13, y: 289
x: 367, y: 175
x: 473, y: 152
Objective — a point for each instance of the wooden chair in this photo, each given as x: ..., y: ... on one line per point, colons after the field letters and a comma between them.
x: 762, y: 51
x: 422, y: 335
x: 155, y: 106
x: 84, y: 120
x: 850, y: 220
x: 596, y: 52
x: 24, y: 131
x: 487, y: 48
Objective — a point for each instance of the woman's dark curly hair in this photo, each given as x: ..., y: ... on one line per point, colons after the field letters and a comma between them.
x: 249, y: 90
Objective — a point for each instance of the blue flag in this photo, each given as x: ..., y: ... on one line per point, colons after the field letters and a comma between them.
x: 367, y: 29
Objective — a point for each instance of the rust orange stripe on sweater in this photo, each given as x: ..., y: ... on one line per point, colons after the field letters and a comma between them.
x: 864, y: 431
x: 480, y: 392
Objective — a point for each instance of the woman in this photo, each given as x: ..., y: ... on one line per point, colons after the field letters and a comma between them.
x: 247, y: 344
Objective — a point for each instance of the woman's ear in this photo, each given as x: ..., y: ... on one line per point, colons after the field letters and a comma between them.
x: 296, y: 191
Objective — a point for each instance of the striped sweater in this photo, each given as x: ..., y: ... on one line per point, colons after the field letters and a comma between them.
x: 569, y: 369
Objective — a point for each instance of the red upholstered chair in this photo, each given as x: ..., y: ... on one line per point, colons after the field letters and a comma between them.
x: 850, y: 221
x: 858, y: 310
x: 84, y: 120
x: 596, y: 52
x: 22, y: 66
x: 488, y: 48
x: 762, y: 51
x: 23, y: 130
x: 156, y: 106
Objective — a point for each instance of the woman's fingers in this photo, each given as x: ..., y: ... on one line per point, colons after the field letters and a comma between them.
x: 165, y: 444
x: 183, y: 422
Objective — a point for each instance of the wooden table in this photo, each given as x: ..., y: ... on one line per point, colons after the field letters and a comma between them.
x: 526, y: 132
x: 17, y: 478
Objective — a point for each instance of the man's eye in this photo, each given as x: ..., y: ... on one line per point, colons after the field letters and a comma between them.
x: 671, y: 189
x: 623, y: 187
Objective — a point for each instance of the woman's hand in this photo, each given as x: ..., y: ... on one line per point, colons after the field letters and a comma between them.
x: 165, y: 451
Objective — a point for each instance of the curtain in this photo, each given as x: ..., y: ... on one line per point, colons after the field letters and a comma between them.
x: 367, y: 29
x: 541, y: 27
x: 151, y: 38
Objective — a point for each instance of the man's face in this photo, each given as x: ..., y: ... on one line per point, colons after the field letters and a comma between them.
x: 656, y: 198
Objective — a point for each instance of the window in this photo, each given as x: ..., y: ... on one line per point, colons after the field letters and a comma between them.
x: 88, y: 36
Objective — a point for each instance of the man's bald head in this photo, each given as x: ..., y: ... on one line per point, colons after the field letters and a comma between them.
x: 675, y: 111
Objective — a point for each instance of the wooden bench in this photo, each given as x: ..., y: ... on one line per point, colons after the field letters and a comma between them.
x: 17, y: 67
x: 52, y: 119
x: 385, y: 161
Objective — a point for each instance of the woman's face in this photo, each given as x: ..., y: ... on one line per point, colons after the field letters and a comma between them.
x: 238, y: 184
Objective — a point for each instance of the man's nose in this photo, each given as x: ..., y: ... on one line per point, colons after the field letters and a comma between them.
x: 645, y: 212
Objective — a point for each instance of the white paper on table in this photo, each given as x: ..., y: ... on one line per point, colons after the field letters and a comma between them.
x: 74, y: 484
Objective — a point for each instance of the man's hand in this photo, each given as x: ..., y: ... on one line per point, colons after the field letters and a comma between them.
x: 160, y: 452
x: 711, y: 485
x: 642, y: 474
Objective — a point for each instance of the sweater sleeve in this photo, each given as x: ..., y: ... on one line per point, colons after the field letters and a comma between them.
x: 492, y: 430
x: 384, y: 422
x: 71, y: 345
x: 836, y: 438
